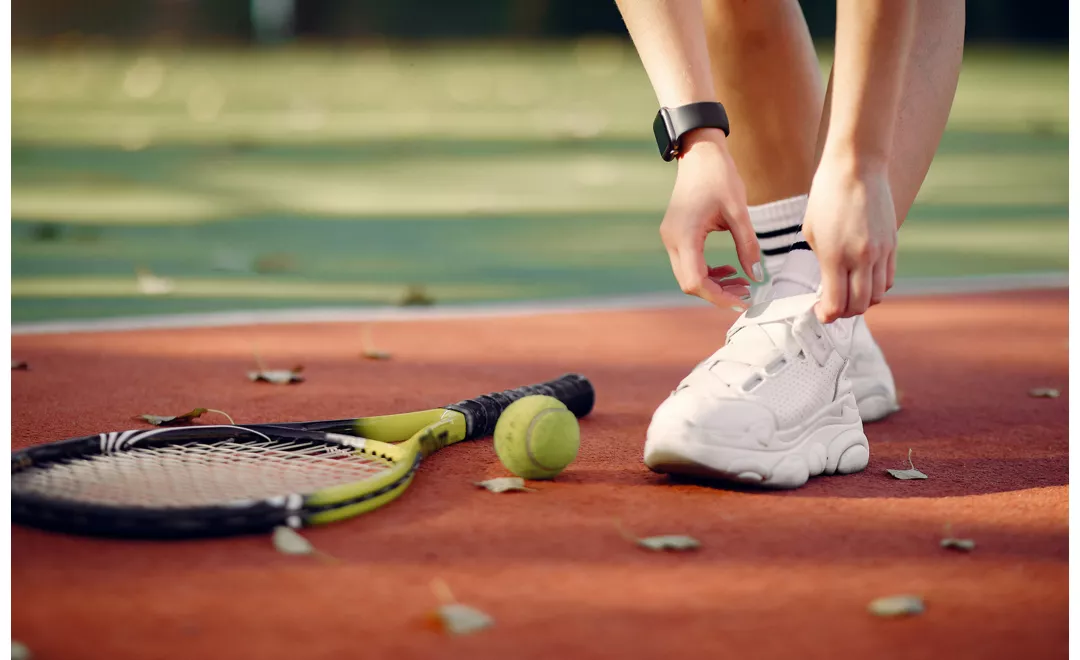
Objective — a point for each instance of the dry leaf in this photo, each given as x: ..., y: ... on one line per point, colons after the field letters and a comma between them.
x: 150, y: 284
x: 458, y: 619
x: 19, y: 651
x: 367, y: 346
x: 504, y: 484
x: 964, y: 545
x: 455, y: 618
x: 19, y: 365
x: 673, y: 542
x: 277, y: 376
x: 676, y: 542
x: 894, y: 606
x: 953, y: 543
x: 175, y: 420
x: 289, y: 542
x: 1044, y: 393
x: 416, y: 294
x: 911, y: 473
x: 179, y: 420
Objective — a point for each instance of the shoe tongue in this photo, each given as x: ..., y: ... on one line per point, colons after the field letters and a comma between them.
x: 769, y: 313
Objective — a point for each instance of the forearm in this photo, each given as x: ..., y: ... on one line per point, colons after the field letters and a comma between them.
x: 670, y: 39
x: 873, y: 41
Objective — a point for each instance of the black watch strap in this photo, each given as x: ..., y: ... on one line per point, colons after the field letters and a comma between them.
x: 671, y: 124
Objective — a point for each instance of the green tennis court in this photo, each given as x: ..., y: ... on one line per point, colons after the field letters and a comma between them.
x: 271, y: 179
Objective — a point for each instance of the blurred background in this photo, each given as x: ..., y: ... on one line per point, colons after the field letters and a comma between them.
x: 215, y: 155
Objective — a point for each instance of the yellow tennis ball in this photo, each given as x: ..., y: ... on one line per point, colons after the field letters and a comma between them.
x: 536, y: 437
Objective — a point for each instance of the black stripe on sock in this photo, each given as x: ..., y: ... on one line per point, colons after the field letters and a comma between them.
x: 779, y: 232
x: 801, y: 245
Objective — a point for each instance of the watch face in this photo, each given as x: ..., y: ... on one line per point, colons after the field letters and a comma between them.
x: 665, y: 134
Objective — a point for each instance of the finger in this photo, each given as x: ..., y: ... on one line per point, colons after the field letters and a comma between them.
x: 746, y: 243
x: 879, y: 280
x: 722, y: 296
x: 739, y: 291
x: 860, y: 288
x: 834, y: 293
x: 724, y: 281
x: 722, y: 271
x: 694, y: 280
x: 890, y: 270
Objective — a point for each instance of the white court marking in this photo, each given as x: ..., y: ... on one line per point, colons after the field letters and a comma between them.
x: 929, y: 286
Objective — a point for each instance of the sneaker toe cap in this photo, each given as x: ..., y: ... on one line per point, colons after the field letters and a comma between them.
x: 689, y: 417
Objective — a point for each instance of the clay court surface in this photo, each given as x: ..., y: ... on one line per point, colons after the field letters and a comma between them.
x: 780, y: 574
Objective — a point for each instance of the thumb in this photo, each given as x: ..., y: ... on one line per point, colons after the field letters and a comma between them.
x: 746, y: 243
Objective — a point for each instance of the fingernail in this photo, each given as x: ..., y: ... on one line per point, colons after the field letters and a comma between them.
x: 746, y: 298
x: 756, y: 272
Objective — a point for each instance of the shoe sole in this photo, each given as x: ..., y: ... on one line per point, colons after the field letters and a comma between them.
x: 875, y: 401
x: 831, y: 442
x: 875, y: 408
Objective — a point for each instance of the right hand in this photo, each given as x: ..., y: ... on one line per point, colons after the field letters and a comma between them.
x: 709, y: 196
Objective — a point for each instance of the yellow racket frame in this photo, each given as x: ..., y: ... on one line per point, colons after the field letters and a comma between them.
x: 402, y: 440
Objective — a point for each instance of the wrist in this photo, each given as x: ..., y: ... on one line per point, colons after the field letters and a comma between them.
x: 701, y: 141
x: 856, y: 160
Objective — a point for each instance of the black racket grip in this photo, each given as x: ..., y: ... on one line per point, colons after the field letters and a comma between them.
x: 481, y: 413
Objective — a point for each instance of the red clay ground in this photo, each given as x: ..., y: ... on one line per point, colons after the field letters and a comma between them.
x: 780, y: 574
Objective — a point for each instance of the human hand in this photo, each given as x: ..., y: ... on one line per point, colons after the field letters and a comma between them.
x: 709, y: 196
x: 851, y: 225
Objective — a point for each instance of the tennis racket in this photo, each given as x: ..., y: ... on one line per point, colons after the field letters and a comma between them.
x: 218, y: 480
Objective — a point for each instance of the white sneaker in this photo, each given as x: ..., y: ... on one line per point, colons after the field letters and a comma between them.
x: 871, y: 378
x: 773, y: 407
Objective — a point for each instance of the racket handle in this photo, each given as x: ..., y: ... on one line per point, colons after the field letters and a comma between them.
x: 481, y: 413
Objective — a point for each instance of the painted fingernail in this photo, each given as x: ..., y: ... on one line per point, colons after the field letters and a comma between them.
x: 746, y: 298
x: 757, y: 272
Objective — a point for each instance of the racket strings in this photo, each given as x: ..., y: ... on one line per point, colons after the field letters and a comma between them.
x: 200, y: 474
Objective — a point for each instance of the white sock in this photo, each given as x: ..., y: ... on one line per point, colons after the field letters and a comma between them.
x: 776, y: 225
x: 801, y: 272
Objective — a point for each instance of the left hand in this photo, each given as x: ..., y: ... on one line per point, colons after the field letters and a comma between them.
x: 851, y: 225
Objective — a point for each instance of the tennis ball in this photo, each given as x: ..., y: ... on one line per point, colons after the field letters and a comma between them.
x: 536, y: 437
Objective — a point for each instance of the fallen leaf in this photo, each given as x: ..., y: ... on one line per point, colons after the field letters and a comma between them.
x: 178, y: 420
x: 19, y: 651
x: 452, y: 616
x: 953, y: 543
x: 676, y: 542
x: 896, y: 606
x: 911, y: 473
x: 150, y: 284
x: 504, y: 484
x: 289, y: 542
x: 965, y: 545
x: 19, y: 365
x: 277, y: 376
x: 175, y: 420
x: 458, y: 619
x: 673, y: 542
x: 1044, y: 393
x: 416, y: 294
x: 367, y: 346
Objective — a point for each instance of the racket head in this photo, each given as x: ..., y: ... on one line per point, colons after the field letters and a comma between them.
x: 203, y: 480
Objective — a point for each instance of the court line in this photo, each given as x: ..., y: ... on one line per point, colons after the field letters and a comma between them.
x: 915, y: 286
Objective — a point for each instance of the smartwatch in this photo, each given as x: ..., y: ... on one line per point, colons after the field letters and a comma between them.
x: 671, y: 124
